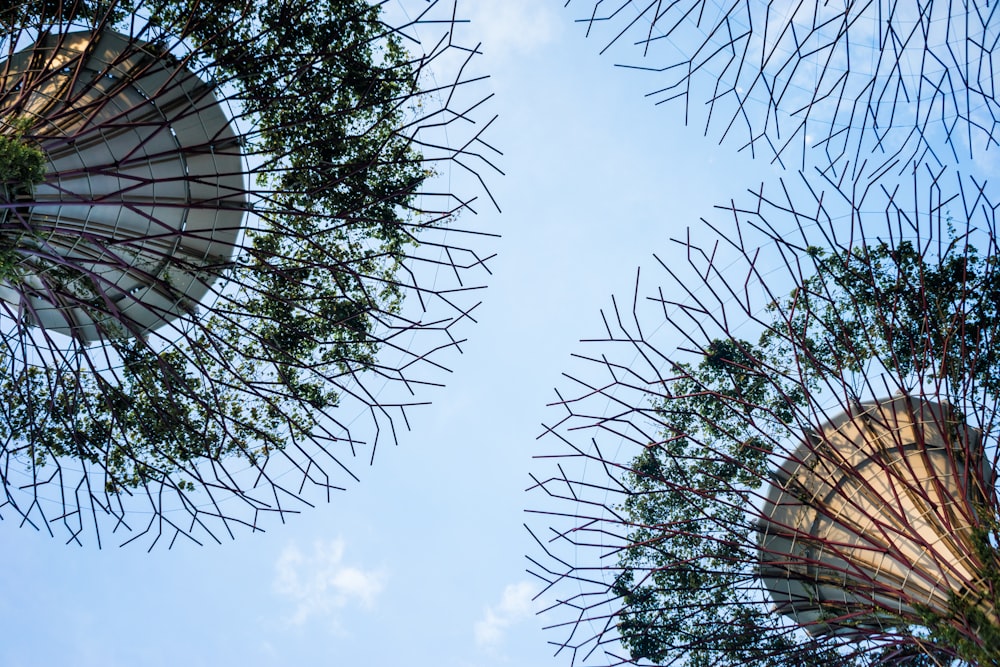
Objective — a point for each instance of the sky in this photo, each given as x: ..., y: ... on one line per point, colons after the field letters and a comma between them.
x: 423, y: 561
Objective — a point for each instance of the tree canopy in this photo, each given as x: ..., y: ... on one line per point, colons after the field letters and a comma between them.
x: 871, y: 319
x: 327, y: 105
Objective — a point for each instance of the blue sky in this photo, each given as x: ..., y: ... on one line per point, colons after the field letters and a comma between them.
x: 422, y: 562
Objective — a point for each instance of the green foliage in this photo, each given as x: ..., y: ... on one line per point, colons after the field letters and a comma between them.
x: 48, y: 12
x: 687, y: 582
x: 690, y: 535
x: 924, y: 320
x: 21, y: 163
x: 327, y: 87
x: 150, y: 422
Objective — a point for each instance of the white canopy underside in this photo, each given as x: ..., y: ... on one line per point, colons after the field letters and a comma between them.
x: 871, y: 516
x: 144, y: 190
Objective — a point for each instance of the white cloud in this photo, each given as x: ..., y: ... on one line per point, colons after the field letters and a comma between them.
x: 513, y: 27
x: 515, y: 605
x: 320, y: 584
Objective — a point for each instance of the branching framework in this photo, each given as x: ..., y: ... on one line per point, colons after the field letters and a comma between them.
x: 248, y: 256
x: 786, y: 452
x: 854, y: 87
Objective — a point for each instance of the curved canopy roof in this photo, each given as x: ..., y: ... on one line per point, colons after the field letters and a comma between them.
x: 871, y: 515
x: 144, y: 196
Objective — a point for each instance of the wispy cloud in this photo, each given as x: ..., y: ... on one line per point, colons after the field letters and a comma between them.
x: 515, y: 605
x: 513, y: 27
x: 319, y: 584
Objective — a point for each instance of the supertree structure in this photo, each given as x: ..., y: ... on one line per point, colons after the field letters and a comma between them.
x: 848, y: 86
x: 786, y: 453
x: 235, y: 249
